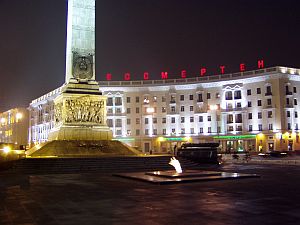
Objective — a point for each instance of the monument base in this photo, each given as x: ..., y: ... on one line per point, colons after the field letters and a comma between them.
x: 80, y: 133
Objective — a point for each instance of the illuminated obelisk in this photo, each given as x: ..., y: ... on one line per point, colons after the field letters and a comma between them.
x: 80, y: 110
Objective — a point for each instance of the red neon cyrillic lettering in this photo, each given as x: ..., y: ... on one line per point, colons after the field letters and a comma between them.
x: 222, y: 68
x: 242, y: 67
x: 127, y: 76
x: 183, y: 73
x: 202, y: 71
x: 164, y: 75
x: 108, y: 76
x: 146, y: 76
x: 260, y: 64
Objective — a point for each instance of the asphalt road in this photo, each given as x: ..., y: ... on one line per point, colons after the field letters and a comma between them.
x: 95, y: 198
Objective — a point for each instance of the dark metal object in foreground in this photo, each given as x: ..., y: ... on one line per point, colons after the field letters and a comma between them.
x: 171, y: 177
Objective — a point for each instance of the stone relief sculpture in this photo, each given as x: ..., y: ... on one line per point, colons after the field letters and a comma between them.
x: 58, y: 113
x: 84, y: 111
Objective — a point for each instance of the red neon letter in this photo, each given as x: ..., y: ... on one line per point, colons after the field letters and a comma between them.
x: 242, y: 67
x: 164, y: 75
x: 146, y: 76
x: 260, y: 64
x: 183, y: 73
x: 108, y: 76
x: 127, y: 76
x: 222, y: 68
x: 202, y: 71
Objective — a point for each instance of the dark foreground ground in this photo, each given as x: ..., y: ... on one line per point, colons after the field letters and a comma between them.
x: 103, y: 199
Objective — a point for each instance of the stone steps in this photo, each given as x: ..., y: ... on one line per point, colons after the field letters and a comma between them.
x: 105, y: 164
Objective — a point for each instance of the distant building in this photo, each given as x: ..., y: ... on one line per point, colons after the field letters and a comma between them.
x: 14, y: 126
x: 246, y: 111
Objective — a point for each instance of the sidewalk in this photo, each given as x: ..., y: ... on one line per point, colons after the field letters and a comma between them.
x: 288, y: 160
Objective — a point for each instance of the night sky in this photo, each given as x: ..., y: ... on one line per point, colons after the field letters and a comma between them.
x: 143, y: 35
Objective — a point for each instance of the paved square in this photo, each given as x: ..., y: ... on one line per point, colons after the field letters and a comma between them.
x: 96, y: 198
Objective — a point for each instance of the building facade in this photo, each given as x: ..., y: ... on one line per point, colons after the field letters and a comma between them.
x: 14, y: 126
x: 246, y: 111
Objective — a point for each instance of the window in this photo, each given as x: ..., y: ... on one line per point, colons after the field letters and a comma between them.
x: 181, y: 97
x: 250, y: 116
x: 154, y: 131
x: 154, y: 99
x: 128, y: 99
x: 163, y: 109
x: 118, y: 123
x: 295, y: 101
x: 182, y: 108
x: 209, y: 130
x: 269, y: 101
x: 295, y: 89
x: 146, y: 131
x: 192, y: 119
x: 228, y: 95
x: 163, y: 99
x: 249, y: 92
x: 191, y: 97
x: 250, y: 128
x: 119, y: 132
x: 137, y: 110
x: 201, y: 130
x: 137, y: 132
x: 217, y: 95
x: 200, y: 99
x: 118, y: 110
x: 260, y: 127
x: 238, y: 94
x: 182, y: 131
x: 154, y: 120
x: 172, y: 119
x: 288, y: 113
x: 164, y: 131
x: 289, y: 126
x: 191, y: 108
x: 287, y: 101
x: 239, y: 105
x: 296, y: 128
x: 173, y: 109
x: 258, y: 102
x: 229, y: 118
x: 110, y: 122
x: 268, y: 90
x: 200, y: 118
x: 146, y: 120
x: 173, y: 131
x: 128, y: 121
x: 164, y: 120
x: 192, y: 131
x: 270, y: 126
x: 259, y: 115
x: 208, y: 95
x: 270, y: 114
x: 258, y: 91
x: 182, y: 119
x: 137, y: 121
x: 296, y: 114
x: 208, y: 118
x: 118, y: 101
x: 238, y: 118
x: 249, y: 104
x: 128, y: 110
x: 137, y: 99
x: 109, y: 110
x: 110, y: 101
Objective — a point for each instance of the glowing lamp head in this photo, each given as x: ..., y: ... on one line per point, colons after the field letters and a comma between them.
x: 19, y: 116
x: 2, y: 120
x: 6, y: 149
x: 213, y: 107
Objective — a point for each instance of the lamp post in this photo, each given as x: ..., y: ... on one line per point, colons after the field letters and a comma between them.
x: 19, y: 116
x: 150, y: 110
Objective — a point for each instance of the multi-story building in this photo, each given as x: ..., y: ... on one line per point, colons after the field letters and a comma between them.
x: 14, y: 126
x: 246, y: 111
